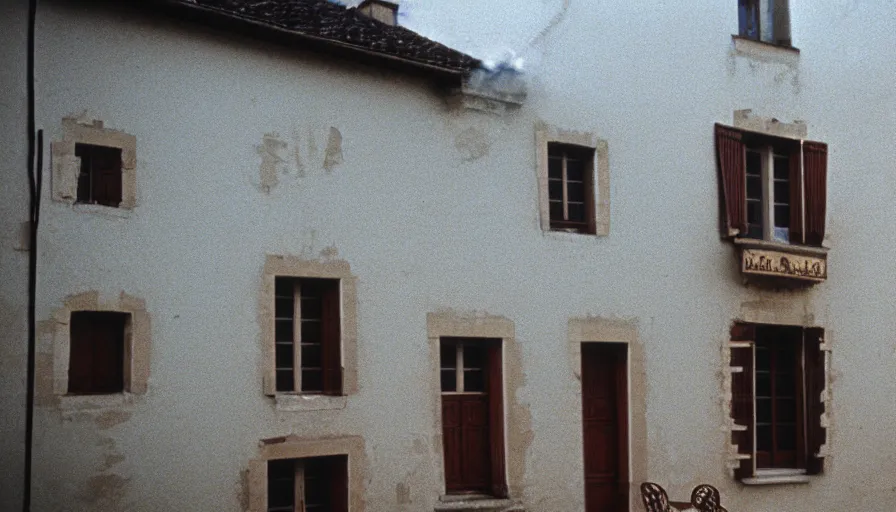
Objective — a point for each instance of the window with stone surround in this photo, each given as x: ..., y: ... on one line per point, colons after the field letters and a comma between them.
x: 773, y: 188
x: 97, y: 359
x: 313, y: 484
x: 573, y: 181
x: 778, y: 401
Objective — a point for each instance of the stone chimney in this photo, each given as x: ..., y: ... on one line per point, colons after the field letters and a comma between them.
x: 380, y: 10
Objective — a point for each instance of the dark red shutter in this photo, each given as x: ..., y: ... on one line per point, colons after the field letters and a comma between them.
x: 337, y: 478
x: 796, y: 196
x: 815, y: 170
x: 742, y: 397
x: 331, y: 339
x: 816, y: 434
x: 496, y: 419
x: 732, y: 174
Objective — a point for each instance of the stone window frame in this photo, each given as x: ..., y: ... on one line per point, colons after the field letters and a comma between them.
x: 66, y: 166
x: 295, y: 447
x: 544, y: 135
x: 451, y: 324
x: 137, y: 347
x: 293, y: 266
x: 784, y: 313
x: 602, y: 330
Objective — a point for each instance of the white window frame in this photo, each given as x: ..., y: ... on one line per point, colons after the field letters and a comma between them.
x: 767, y: 154
x: 459, y: 374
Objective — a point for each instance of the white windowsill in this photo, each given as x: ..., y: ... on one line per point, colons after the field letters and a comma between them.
x: 76, y: 403
x: 777, y: 476
x: 102, y: 210
x: 299, y: 402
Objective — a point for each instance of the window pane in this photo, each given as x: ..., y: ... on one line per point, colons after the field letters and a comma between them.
x: 555, y: 190
x: 555, y: 167
x: 785, y: 410
x: 474, y: 357
x: 284, y: 308
x: 576, y: 192
x: 763, y: 359
x: 283, y: 287
x: 754, y: 212
x: 785, y: 385
x: 448, y: 355
x: 312, y: 308
x: 763, y: 410
x: 782, y: 216
x: 786, y: 437
x: 285, y: 380
x: 281, y: 483
x: 575, y: 169
x: 310, y: 332
x: 764, y: 438
x: 312, y: 380
x: 449, y: 381
x: 576, y: 212
x: 754, y: 163
x: 556, y: 210
x: 754, y: 187
x: 283, y: 330
x: 782, y: 167
x: 782, y: 192
x: 474, y: 381
x: 311, y: 356
x: 763, y: 385
x: 284, y: 355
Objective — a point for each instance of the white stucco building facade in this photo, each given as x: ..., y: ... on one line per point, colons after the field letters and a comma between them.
x: 253, y: 159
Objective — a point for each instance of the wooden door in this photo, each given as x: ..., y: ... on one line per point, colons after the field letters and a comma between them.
x: 472, y: 416
x: 605, y: 418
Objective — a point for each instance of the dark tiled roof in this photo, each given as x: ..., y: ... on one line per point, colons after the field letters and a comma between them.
x: 347, y: 28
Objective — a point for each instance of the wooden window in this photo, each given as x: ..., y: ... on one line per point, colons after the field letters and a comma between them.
x: 97, y: 357
x: 307, y: 336
x: 777, y: 391
x: 315, y: 484
x: 463, y: 368
x: 571, y: 187
x: 772, y: 188
x: 99, y: 181
x: 764, y: 20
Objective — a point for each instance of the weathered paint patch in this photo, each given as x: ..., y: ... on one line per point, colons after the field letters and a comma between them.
x: 333, y: 153
x: 109, y: 419
x: 105, y: 492
x: 271, y: 151
x: 472, y: 144
x: 402, y: 493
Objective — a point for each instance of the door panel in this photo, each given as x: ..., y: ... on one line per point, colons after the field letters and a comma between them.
x: 466, y: 441
x: 605, y: 435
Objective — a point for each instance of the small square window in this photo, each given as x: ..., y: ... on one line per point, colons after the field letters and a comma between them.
x: 307, y: 336
x: 99, y: 179
x: 571, y: 188
x: 764, y: 20
x: 97, y: 358
x: 308, y: 484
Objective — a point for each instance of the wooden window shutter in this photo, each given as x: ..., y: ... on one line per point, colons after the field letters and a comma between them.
x: 796, y: 195
x: 816, y: 434
x: 337, y: 481
x: 331, y: 339
x: 742, y: 399
x: 731, y: 156
x: 495, y: 383
x: 815, y: 170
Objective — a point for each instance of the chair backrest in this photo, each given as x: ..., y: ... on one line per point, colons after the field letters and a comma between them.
x: 655, y: 498
x: 707, y: 498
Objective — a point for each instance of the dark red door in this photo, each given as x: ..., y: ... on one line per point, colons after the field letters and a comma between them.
x: 604, y: 415
x: 472, y: 416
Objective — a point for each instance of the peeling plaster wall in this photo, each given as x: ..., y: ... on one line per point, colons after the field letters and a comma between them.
x: 247, y: 149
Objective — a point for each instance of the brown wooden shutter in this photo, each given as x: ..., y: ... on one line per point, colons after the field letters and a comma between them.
x: 815, y: 171
x: 796, y: 196
x: 742, y: 399
x: 731, y: 155
x: 816, y: 434
x: 496, y: 419
x: 337, y: 479
x: 331, y: 339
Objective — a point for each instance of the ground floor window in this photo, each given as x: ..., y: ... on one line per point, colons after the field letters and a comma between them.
x: 778, y: 382
x: 314, y: 484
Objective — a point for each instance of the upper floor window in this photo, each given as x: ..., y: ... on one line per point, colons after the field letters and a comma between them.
x: 99, y: 180
x: 571, y: 188
x: 773, y: 188
x: 307, y: 327
x: 765, y: 20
